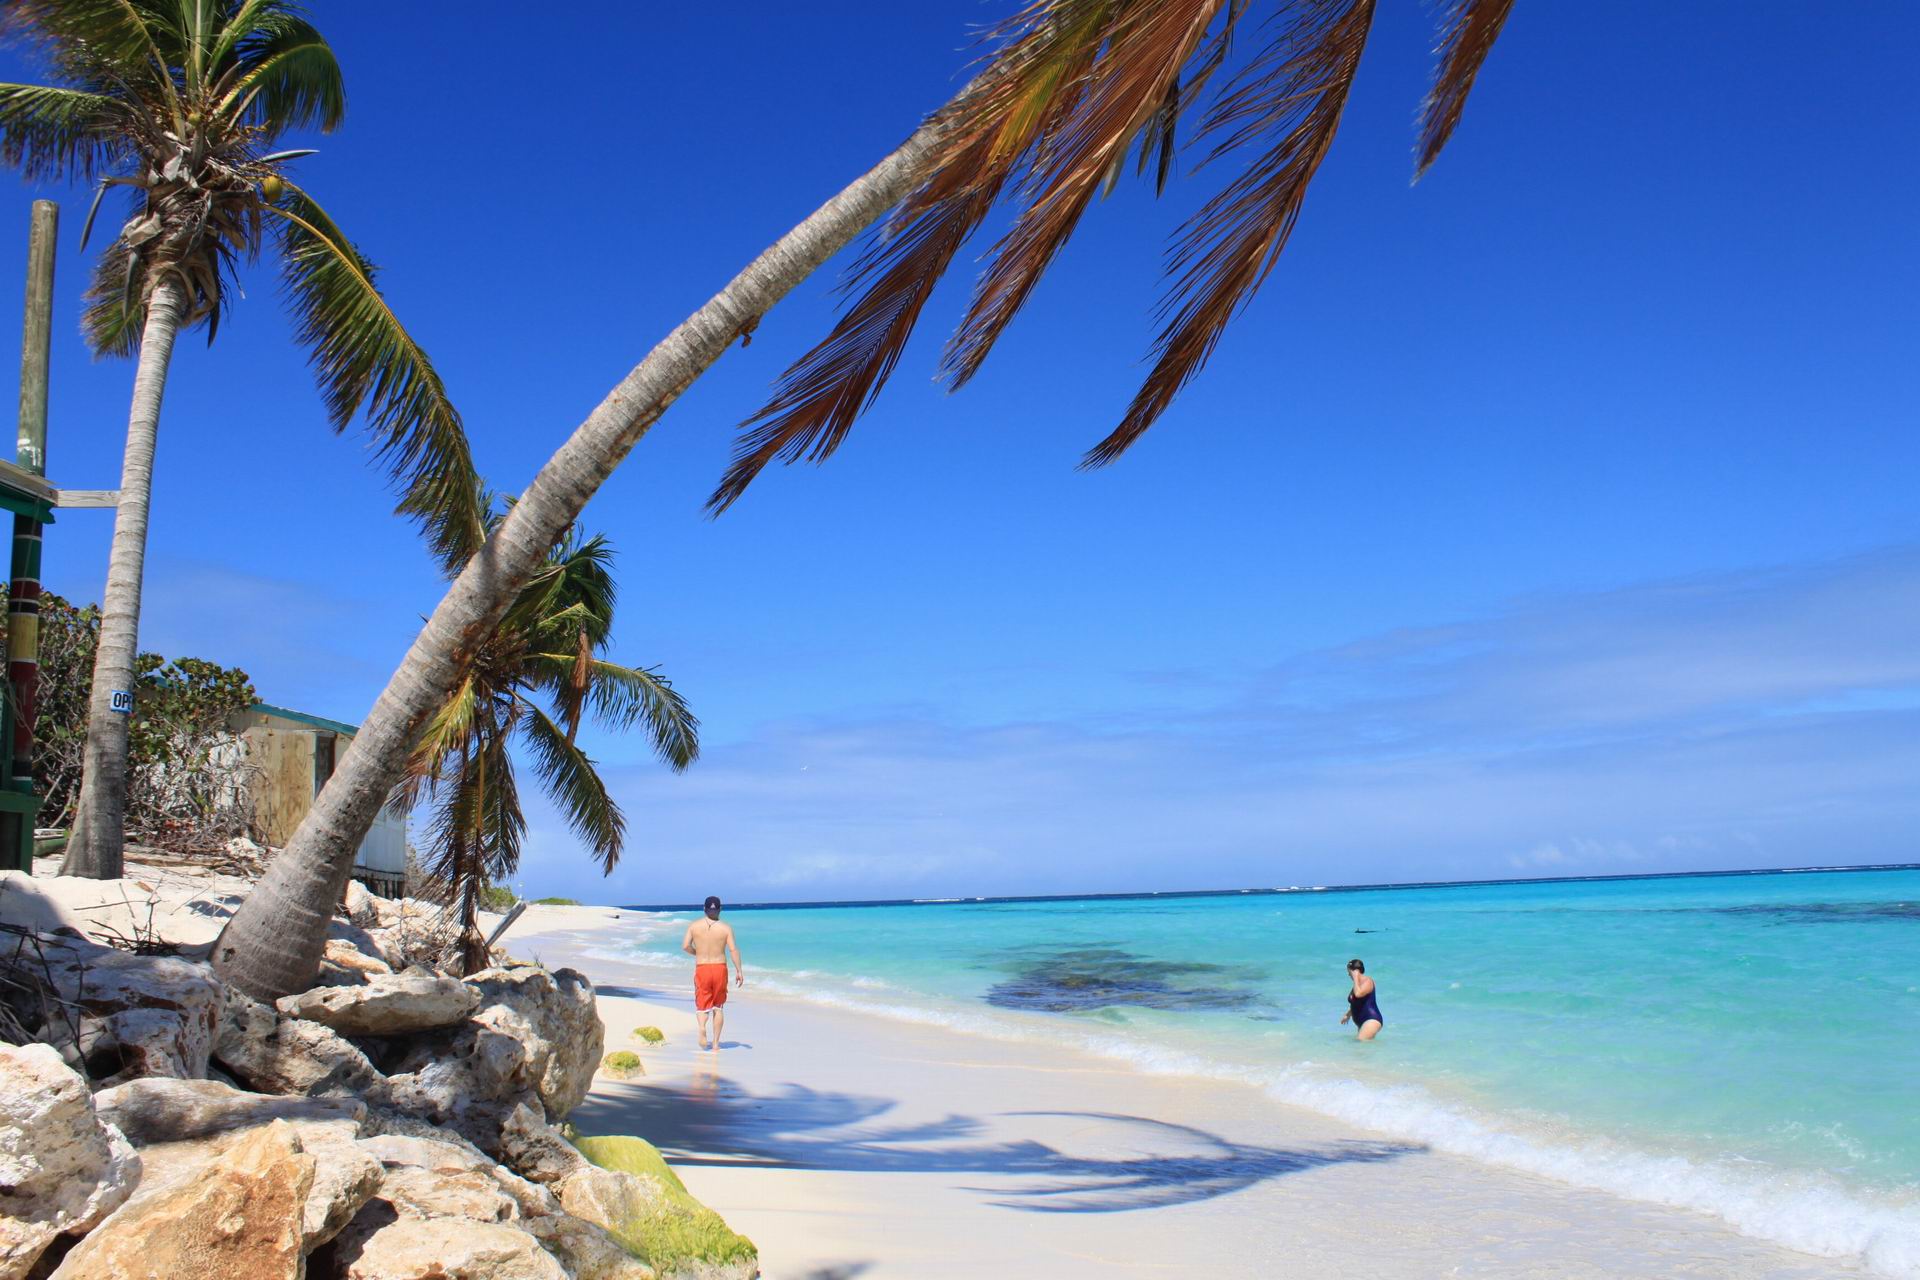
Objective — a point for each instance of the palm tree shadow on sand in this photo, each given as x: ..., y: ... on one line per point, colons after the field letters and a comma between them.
x: 1133, y: 1163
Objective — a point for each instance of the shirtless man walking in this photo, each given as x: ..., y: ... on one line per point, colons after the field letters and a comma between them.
x: 709, y: 942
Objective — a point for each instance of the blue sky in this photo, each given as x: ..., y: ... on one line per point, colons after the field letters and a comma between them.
x: 1553, y: 516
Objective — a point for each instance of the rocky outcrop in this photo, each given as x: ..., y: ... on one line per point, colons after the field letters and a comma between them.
x: 360, y: 906
x: 421, y: 1249
x: 403, y: 1128
x: 130, y: 1015
x: 153, y: 1112
x: 345, y: 1176
x: 413, y: 1192
x: 536, y: 1149
x: 276, y: 1054
x: 389, y: 1004
x: 345, y: 965
x: 535, y: 1039
x: 241, y: 1218
x: 61, y: 1169
x: 630, y: 1192
x: 585, y: 1249
x: 553, y: 1013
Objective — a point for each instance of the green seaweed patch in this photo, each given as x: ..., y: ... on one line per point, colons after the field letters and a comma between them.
x: 652, y: 1035
x: 674, y: 1228
x: 622, y: 1063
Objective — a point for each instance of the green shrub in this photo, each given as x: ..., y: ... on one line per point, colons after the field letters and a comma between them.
x: 672, y: 1228
x: 556, y: 902
x: 652, y: 1035
x: 495, y: 897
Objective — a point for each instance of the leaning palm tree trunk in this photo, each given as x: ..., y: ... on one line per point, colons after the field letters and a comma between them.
x: 272, y: 946
x: 99, y: 833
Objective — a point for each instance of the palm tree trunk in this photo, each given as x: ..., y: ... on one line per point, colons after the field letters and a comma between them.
x: 272, y: 946
x: 99, y: 825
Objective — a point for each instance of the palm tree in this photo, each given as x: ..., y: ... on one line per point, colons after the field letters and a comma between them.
x: 180, y: 103
x: 1071, y: 90
x: 545, y: 651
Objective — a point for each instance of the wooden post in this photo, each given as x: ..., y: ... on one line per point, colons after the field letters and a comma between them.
x: 23, y: 595
x: 518, y: 909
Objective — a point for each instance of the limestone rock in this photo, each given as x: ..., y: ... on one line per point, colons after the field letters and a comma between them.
x: 366, y: 941
x: 472, y: 1194
x: 344, y: 965
x: 412, y: 932
x: 533, y: 1199
x: 246, y: 850
x: 468, y: 1085
x: 388, y: 1005
x: 534, y: 1149
x: 360, y: 906
x: 290, y: 1055
x: 585, y: 1249
x: 535, y: 1039
x: 241, y: 1219
x: 161, y: 1111
x: 558, y: 1009
x: 344, y: 1179
x: 387, y: 1121
x: 630, y: 1191
x: 60, y: 1169
x: 397, y: 1150
x: 417, y: 1249
x: 137, y: 1015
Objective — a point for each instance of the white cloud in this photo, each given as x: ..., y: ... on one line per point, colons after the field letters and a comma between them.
x: 1750, y: 719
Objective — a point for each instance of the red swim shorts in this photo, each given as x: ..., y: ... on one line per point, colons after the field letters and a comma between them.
x: 709, y: 986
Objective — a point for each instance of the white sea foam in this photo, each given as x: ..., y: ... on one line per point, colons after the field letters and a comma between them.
x: 1802, y: 1212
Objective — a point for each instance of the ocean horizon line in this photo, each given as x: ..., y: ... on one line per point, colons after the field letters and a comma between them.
x: 1267, y: 891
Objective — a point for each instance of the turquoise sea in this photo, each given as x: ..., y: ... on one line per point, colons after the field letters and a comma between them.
x: 1747, y: 1045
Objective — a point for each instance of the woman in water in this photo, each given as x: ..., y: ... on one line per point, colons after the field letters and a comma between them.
x: 1362, y: 1009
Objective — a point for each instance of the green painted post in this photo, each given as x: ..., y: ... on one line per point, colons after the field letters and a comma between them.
x: 23, y: 594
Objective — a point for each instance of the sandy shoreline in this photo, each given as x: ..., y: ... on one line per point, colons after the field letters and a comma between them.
x: 849, y: 1145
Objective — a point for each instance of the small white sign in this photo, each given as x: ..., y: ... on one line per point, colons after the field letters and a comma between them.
x: 123, y: 701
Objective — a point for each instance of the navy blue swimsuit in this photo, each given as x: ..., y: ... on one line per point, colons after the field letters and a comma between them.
x: 1365, y: 1009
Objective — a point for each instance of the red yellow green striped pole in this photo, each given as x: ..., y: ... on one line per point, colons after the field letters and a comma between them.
x: 23, y: 593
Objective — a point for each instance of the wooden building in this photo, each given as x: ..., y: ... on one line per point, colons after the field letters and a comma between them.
x: 295, y: 754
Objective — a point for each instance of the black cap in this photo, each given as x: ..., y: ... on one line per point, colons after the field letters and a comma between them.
x: 712, y: 905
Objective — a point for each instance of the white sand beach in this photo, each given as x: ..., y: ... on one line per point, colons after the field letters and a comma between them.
x: 850, y: 1145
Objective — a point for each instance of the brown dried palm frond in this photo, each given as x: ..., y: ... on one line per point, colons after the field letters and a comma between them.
x: 1126, y: 89
x: 818, y: 399
x: 1471, y: 27
x: 1073, y: 89
x: 1289, y: 98
x: 988, y: 133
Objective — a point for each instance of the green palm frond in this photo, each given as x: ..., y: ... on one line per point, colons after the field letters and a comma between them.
x: 577, y: 787
x: 503, y: 824
x: 587, y: 584
x: 104, y: 45
x: 477, y: 833
x: 445, y: 733
x: 363, y: 357
x: 50, y: 133
x: 546, y: 647
x: 624, y: 697
x: 285, y: 74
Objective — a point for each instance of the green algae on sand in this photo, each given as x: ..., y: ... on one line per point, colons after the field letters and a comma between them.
x: 669, y: 1231
x: 622, y: 1064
